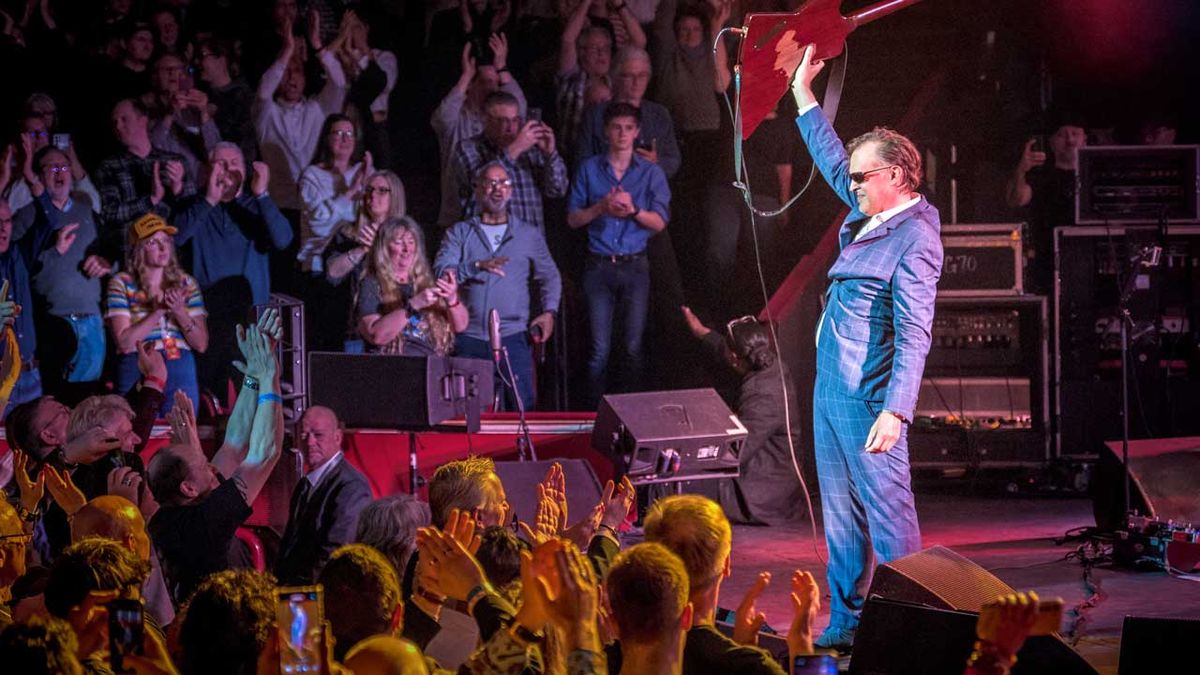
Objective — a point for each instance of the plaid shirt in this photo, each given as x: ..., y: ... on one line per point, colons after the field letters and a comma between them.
x: 125, y: 182
x: 533, y: 174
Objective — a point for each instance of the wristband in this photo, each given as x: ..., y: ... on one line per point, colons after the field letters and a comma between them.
x: 523, y: 635
x: 250, y: 383
x: 476, y: 593
x: 27, y: 515
x: 268, y: 397
x: 456, y: 304
x: 635, y: 213
x: 437, y: 600
x: 150, y: 379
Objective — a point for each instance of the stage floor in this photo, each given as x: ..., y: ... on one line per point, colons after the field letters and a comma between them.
x: 1011, y: 536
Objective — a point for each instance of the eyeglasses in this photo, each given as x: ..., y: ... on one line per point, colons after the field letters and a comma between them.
x: 729, y: 327
x: 38, y: 134
x: 493, y: 183
x: 381, y: 190
x: 861, y: 176
x: 342, y: 133
x: 57, y: 169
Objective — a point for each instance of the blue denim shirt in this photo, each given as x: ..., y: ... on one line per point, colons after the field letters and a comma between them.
x: 14, y: 270
x: 646, y: 184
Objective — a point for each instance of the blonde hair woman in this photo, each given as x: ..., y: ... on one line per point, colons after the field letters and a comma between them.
x: 401, y: 308
x: 155, y: 300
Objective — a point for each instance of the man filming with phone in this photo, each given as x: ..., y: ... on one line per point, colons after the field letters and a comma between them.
x: 526, y: 148
x: 499, y: 258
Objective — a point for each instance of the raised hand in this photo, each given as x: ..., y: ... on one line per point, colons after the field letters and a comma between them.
x: 123, y: 481
x: 182, y: 419
x: 693, y: 322
x: 271, y: 325
x: 498, y: 42
x: 259, y: 358
x: 526, y: 139
x: 65, y: 237
x: 1031, y: 157
x: 462, y: 527
x: 31, y: 490
x: 157, y: 192
x: 806, y: 72
x: 175, y: 174
x: 748, y: 619
x: 575, y: 607
x: 619, y: 502
x: 468, y: 63
x: 806, y: 602
x: 545, y: 522
x: 63, y: 490
x: 260, y: 178
x: 554, y: 486
x: 454, y: 571
x: 581, y: 533
x: 214, y: 189
x: 546, y: 139
x: 314, y: 29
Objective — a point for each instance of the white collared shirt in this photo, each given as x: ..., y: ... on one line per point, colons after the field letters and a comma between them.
x: 314, y: 477
x: 884, y: 216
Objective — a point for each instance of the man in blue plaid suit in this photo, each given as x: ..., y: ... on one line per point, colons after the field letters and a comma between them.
x: 872, y: 340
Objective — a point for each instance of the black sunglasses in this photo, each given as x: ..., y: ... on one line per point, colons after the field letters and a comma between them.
x: 861, y: 176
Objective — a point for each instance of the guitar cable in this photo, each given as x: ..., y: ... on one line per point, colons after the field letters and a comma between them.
x: 743, y: 184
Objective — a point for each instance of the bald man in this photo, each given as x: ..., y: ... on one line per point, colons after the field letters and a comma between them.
x: 118, y: 519
x: 325, y: 503
x: 386, y: 655
x: 14, y: 543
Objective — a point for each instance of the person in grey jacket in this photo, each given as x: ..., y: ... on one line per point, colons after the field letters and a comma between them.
x: 495, y: 257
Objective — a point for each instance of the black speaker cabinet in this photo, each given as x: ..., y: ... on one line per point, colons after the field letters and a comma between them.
x: 377, y: 391
x: 920, y: 619
x: 1157, y: 645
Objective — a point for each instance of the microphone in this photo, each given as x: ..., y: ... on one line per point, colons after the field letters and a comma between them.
x: 494, y: 333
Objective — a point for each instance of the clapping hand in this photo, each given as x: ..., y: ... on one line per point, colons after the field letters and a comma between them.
x: 260, y: 178
x: 182, y: 419
x: 65, y: 237
x: 259, y: 358
x: 451, y: 568
x: 175, y: 175
x: 806, y: 602
x: 619, y: 502
x: 748, y: 620
x: 31, y: 490
x: 63, y: 490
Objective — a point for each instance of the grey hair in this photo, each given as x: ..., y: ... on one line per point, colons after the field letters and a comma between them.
x: 482, y: 171
x: 225, y: 145
x: 390, y: 524
x: 631, y: 53
x: 96, y: 411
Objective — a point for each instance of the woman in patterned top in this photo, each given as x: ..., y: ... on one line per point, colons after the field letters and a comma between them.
x: 155, y: 300
x: 402, y: 309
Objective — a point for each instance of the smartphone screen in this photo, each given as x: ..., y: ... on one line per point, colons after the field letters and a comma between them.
x: 535, y: 114
x: 125, y: 627
x: 62, y: 141
x: 299, y: 617
x: 815, y: 664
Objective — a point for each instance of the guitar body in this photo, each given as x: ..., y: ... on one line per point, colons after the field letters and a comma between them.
x: 771, y: 41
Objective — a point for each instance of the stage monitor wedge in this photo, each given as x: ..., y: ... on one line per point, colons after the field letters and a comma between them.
x: 378, y: 391
x: 669, y: 436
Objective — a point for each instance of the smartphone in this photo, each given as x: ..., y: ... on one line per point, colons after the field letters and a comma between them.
x: 1039, y: 143
x: 300, y: 619
x: 125, y: 630
x: 643, y: 144
x: 62, y: 141
x: 534, y: 114
x: 185, y: 83
x: 814, y: 664
x: 1048, y: 621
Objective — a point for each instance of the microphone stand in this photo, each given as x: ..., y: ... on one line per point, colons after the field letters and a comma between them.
x: 1147, y: 257
x: 525, y: 450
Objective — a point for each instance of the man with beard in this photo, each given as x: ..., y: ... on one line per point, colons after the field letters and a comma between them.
x: 527, y: 151
x: 231, y: 234
x: 495, y: 256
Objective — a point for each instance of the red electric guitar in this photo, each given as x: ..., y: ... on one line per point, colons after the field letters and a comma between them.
x: 772, y: 45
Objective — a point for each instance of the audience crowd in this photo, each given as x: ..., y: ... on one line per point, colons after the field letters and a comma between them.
x: 166, y: 166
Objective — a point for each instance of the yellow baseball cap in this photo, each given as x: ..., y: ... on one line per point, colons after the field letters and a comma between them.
x: 147, y: 225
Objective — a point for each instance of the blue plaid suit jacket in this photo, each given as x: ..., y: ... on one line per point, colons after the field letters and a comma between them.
x: 875, y: 332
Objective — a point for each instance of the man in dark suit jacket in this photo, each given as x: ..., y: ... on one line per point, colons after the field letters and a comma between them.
x: 325, y: 503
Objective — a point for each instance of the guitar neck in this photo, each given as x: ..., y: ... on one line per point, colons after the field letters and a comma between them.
x: 878, y: 11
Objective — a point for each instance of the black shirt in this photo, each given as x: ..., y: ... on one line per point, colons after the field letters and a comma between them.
x: 196, y: 540
x: 710, y: 651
